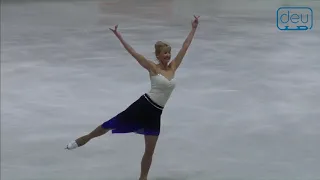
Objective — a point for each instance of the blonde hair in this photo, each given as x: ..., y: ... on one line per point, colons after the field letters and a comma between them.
x: 160, y: 46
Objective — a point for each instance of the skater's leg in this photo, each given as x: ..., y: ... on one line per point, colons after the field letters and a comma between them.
x: 98, y: 131
x: 150, y: 144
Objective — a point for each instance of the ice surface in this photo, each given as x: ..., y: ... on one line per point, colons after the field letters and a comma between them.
x: 246, y: 106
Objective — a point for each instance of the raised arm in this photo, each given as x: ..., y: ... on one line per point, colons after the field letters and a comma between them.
x: 148, y: 65
x: 178, y: 59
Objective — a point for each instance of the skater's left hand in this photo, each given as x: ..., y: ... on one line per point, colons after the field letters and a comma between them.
x: 115, y: 30
x: 195, y: 22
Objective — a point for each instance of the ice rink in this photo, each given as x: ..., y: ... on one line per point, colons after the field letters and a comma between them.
x: 246, y: 105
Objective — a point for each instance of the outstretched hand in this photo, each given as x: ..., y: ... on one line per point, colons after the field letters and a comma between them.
x: 115, y: 30
x: 195, y: 22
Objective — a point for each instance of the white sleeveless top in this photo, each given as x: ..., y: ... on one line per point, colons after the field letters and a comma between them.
x: 161, y: 89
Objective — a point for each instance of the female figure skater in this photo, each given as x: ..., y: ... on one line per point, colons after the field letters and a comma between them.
x: 144, y: 115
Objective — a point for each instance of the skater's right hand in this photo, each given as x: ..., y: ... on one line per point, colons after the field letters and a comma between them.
x: 195, y: 22
x: 115, y: 30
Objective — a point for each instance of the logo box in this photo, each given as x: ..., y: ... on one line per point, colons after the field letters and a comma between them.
x: 294, y: 18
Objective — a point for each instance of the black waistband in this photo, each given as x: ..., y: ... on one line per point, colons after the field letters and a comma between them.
x: 152, y: 102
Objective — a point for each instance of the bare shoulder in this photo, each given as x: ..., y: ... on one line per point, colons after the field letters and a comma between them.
x: 152, y: 63
x: 153, y: 70
x: 172, y: 65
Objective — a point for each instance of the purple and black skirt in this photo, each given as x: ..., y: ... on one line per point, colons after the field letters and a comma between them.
x: 142, y: 117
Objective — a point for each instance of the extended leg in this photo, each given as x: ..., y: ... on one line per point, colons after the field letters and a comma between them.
x: 86, y: 138
x: 150, y: 144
